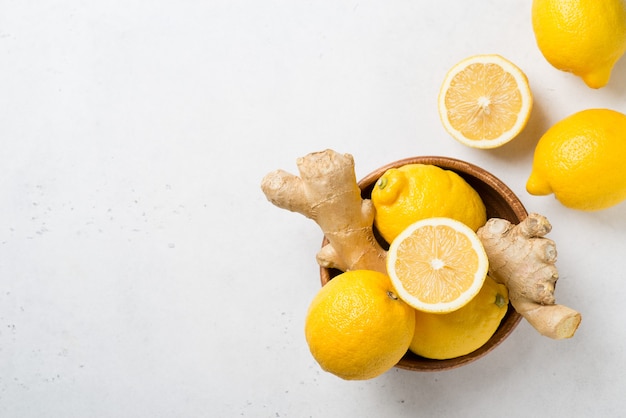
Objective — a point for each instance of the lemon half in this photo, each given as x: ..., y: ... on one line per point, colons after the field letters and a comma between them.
x: 485, y: 101
x: 437, y: 265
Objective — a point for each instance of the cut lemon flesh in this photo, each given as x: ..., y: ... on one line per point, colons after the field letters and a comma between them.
x: 485, y: 101
x: 437, y: 265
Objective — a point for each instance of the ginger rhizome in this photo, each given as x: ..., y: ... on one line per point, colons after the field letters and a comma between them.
x: 521, y: 258
x: 328, y: 193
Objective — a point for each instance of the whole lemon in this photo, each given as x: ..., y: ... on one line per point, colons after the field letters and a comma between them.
x: 455, y: 334
x: 356, y: 327
x: 581, y: 160
x: 584, y: 37
x: 414, y: 192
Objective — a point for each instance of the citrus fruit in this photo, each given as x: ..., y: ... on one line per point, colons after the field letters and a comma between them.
x: 437, y: 265
x: 485, y: 101
x: 412, y: 192
x: 455, y: 334
x: 581, y: 160
x: 356, y: 327
x: 584, y: 37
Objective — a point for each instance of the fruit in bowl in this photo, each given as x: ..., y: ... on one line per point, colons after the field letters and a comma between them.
x: 499, y: 202
x: 510, y: 246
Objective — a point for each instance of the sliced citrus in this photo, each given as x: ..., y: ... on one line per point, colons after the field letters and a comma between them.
x: 485, y: 101
x: 437, y: 265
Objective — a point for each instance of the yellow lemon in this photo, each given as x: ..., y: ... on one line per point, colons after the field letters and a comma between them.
x: 356, y: 326
x: 437, y: 265
x: 455, y: 334
x: 581, y: 160
x: 584, y: 37
x: 412, y: 192
x: 485, y: 101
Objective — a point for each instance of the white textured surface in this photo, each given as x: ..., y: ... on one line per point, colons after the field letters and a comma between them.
x: 144, y: 274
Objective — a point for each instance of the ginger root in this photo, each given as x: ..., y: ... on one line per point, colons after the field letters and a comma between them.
x: 522, y: 259
x: 328, y: 193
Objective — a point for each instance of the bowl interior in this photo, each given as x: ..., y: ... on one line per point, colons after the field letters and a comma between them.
x: 500, y: 202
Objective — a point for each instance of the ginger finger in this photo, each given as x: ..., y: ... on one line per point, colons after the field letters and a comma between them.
x: 522, y: 259
x: 553, y: 321
x: 534, y: 226
x: 328, y: 193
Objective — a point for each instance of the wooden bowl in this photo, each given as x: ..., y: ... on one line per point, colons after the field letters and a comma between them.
x: 500, y: 202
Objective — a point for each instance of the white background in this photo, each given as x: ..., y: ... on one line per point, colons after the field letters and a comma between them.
x: 144, y: 274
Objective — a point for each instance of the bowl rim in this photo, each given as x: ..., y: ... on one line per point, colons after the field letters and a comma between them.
x: 512, y: 318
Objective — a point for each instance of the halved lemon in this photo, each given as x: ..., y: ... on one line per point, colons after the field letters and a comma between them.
x: 437, y: 265
x: 485, y: 101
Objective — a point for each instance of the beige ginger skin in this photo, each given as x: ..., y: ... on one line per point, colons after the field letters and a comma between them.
x: 327, y: 192
x: 520, y: 256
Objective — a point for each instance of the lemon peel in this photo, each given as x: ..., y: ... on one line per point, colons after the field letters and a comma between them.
x: 580, y: 159
x: 356, y: 327
x: 455, y: 334
x: 584, y: 37
x: 412, y: 192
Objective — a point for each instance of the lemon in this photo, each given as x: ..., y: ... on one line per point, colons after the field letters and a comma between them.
x: 455, y: 334
x: 437, y: 265
x: 584, y: 37
x: 581, y: 160
x: 412, y: 192
x: 356, y: 326
x: 485, y: 101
